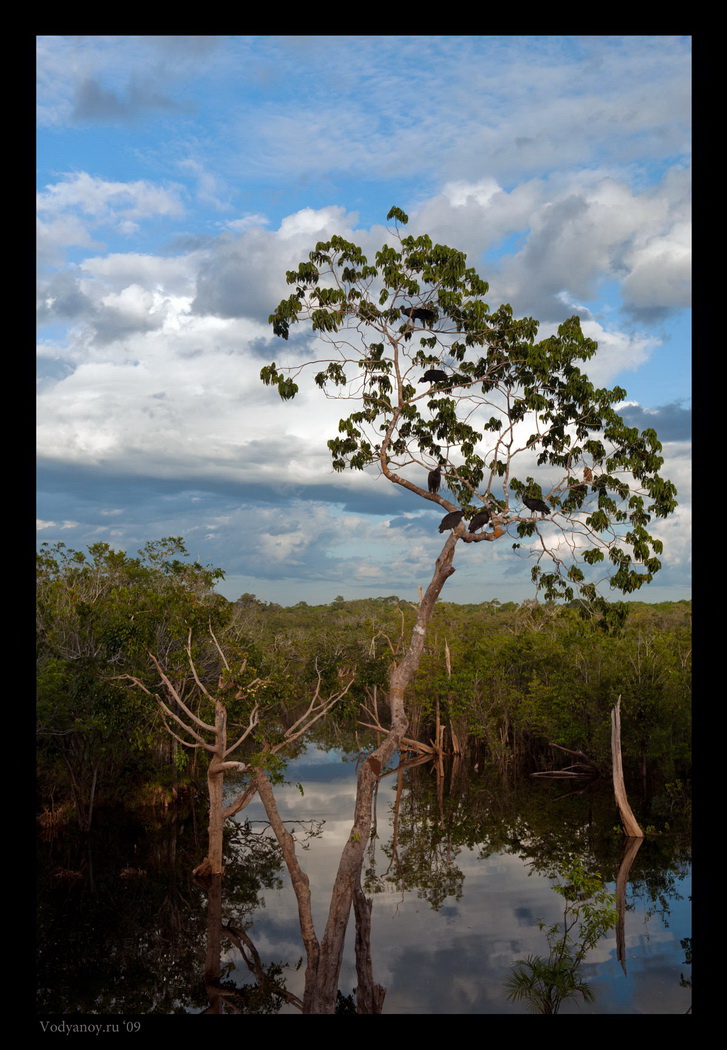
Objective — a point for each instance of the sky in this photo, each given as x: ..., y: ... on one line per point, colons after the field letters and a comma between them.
x: 179, y: 177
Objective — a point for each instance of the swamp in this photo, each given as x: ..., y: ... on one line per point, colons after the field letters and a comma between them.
x: 461, y: 875
x: 493, y: 888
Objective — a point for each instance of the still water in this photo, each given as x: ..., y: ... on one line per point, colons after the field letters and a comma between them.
x: 461, y: 873
x: 451, y: 952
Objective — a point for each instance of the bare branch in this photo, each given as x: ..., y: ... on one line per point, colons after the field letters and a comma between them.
x: 199, y: 684
x: 317, y: 708
x: 254, y: 721
x: 217, y: 644
x: 197, y: 721
x: 167, y: 711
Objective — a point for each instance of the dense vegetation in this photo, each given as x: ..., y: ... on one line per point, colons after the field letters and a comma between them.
x: 507, y: 680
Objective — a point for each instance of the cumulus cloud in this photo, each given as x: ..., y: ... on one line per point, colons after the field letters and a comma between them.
x: 62, y: 297
x: 574, y: 234
x: 107, y: 201
x: 70, y: 209
x: 671, y: 422
x: 244, y: 275
x: 533, y: 155
x: 660, y: 272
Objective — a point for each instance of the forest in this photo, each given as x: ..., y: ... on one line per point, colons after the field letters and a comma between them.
x: 507, y: 680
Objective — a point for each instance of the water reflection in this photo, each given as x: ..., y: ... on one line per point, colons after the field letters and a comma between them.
x: 459, y: 874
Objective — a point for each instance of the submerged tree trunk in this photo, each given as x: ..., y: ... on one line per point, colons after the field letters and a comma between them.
x: 628, y: 819
x: 324, y: 958
x: 213, y: 962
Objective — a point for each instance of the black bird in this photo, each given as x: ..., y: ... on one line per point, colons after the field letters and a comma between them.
x: 481, y: 518
x: 533, y: 504
x: 451, y: 521
x: 434, y: 375
x: 419, y: 313
x: 435, y: 480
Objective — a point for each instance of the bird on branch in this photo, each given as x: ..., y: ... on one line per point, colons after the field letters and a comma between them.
x: 451, y: 521
x: 481, y: 518
x: 533, y: 504
x: 419, y: 313
x: 434, y: 375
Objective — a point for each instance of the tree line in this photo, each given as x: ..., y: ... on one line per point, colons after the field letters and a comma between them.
x: 507, y: 679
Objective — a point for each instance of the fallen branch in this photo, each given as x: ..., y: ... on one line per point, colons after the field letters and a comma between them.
x: 585, y: 768
x: 407, y: 744
x: 560, y: 773
x: 579, y: 754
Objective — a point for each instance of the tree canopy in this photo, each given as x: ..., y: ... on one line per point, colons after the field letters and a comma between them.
x: 98, y: 614
x: 522, y: 436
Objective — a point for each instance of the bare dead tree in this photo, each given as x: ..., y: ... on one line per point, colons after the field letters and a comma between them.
x: 193, y: 732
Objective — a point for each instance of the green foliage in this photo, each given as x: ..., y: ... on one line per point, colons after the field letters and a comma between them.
x: 543, y: 984
x: 519, y: 677
x: 98, y: 614
x: 507, y: 397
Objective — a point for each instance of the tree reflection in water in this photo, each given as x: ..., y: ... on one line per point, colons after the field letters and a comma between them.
x: 457, y: 872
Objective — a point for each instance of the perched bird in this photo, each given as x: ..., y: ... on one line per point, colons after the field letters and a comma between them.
x: 419, y: 313
x: 451, y: 521
x: 533, y: 504
x: 435, y: 480
x: 434, y: 375
x: 481, y: 518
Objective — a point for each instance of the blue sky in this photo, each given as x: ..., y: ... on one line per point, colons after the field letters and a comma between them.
x: 178, y: 179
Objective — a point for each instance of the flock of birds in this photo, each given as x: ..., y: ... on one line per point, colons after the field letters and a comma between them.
x: 434, y: 479
x: 481, y: 518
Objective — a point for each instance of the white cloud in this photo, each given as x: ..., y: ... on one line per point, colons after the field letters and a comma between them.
x: 538, y: 147
x: 41, y: 525
x: 573, y: 232
x: 106, y: 201
x: 69, y: 210
x: 617, y: 352
x: 660, y: 271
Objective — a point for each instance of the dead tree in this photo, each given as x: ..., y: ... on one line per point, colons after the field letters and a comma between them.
x: 212, y: 737
x: 631, y: 826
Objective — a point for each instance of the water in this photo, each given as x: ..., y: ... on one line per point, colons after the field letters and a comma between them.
x: 457, y: 899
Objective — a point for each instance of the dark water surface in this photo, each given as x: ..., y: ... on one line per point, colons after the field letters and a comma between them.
x: 457, y: 898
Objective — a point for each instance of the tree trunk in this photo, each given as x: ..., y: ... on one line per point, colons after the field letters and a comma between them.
x: 212, y: 965
x: 301, y: 885
x: 369, y: 994
x: 628, y: 819
x: 323, y: 1000
x: 212, y: 864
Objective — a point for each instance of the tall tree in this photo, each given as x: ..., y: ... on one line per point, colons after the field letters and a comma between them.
x: 528, y: 448
x: 495, y: 402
